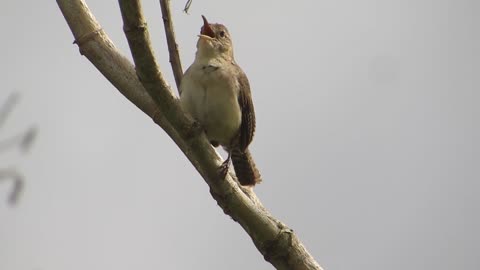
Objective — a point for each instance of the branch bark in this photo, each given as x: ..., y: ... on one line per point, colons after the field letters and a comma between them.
x: 145, y: 86
x: 171, y: 42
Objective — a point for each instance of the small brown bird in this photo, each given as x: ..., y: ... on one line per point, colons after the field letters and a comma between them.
x: 216, y: 92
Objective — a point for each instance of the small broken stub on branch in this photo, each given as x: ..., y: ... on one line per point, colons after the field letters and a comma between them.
x: 88, y: 36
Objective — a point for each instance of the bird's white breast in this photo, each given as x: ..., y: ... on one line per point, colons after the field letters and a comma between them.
x: 210, y: 95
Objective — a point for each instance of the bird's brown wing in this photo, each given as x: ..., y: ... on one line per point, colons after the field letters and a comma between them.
x: 247, y: 127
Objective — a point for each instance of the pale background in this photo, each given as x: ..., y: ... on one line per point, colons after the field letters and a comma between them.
x: 368, y: 127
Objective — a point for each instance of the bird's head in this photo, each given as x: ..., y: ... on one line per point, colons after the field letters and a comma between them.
x: 214, y: 41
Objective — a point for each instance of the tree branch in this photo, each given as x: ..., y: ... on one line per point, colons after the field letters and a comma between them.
x: 147, y: 89
x: 187, y: 6
x: 98, y: 48
x: 7, y: 107
x: 23, y: 140
x: 172, y: 44
x: 17, y: 179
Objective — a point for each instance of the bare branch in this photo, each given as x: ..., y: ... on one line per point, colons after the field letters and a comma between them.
x: 8, y: 107
x: 99, y: 49
x: 24, y: 140
x: 28, y: 138
x: 17, y: 179
x: 171, y: 42
x: 187, y: 6
x: 277, y: 243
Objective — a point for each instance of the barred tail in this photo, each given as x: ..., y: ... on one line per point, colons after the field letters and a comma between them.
x: 245, y: 168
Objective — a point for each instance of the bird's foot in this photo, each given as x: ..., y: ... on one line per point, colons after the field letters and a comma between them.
x: 223, y: 169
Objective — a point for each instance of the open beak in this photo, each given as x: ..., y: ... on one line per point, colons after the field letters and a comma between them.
x: 206, y: 31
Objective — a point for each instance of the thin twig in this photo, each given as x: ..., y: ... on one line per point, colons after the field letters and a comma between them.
x: 187, y: 6
x: 8, y: 107
x: 17, y: 179
x: 28, y: 138
x: 171, y: 42
x: 23, y: 140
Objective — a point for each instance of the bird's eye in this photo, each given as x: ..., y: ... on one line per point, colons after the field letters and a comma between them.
x: 222, y: 33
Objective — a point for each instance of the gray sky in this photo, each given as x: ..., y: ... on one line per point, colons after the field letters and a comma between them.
x: 367, y: 139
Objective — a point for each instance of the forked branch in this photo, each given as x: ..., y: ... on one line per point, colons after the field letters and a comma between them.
x: 145, y: 86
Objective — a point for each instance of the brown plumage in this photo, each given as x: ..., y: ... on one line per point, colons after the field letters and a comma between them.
x: 216, y: 92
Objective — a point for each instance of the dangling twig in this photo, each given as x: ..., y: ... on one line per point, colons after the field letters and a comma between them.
x: 187, y: 6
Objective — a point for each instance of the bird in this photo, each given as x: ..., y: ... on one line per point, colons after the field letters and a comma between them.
x: 215, y: 91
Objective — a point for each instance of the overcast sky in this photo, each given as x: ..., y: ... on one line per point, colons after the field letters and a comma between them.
x: 367, y: 139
